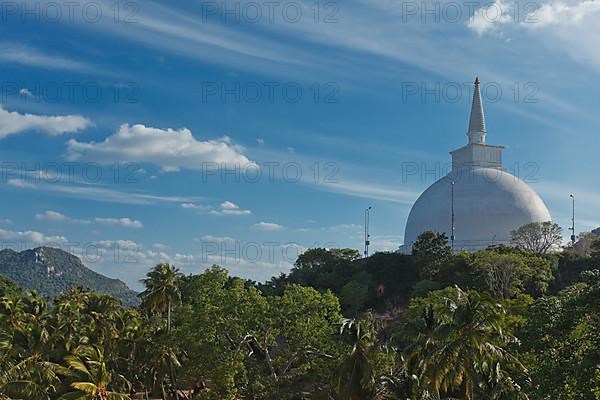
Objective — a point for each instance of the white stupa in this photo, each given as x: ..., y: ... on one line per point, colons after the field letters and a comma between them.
x: 487, y: 202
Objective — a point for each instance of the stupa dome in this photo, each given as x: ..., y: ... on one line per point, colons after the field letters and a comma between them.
x: 488, y: 204
x: 485, y: 202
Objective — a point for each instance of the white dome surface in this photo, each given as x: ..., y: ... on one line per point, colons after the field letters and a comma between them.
x: 488, y: 204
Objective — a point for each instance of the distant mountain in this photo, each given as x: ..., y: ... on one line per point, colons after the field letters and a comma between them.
x: 51, y: 271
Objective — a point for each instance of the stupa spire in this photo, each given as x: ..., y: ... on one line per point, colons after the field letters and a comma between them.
x: 476, y: 131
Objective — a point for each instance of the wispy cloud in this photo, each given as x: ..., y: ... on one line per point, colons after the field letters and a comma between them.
x: 121, y: 222
x: 369, y: 190
x: 193, y: 206
x: 55, y: 216
x: 19, y: 183
x: 178, y: 32
x: 24, y: 55
x: 267, y: 226
x: 100, y: 193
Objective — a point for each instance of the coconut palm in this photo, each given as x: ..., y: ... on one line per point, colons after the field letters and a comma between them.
x: 466, y: 350
x: 31, y: 378
x: 92, y: 380
x: 357, y: 378
x: 161, y: 295
x: 159, y: 360
x: 24, y: 372
x: 162, y: 292
x: 72, y: 322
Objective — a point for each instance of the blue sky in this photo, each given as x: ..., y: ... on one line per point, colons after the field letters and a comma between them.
x: 134, y: 137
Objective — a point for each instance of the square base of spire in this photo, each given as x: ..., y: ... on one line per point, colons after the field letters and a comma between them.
x: 477, y: 155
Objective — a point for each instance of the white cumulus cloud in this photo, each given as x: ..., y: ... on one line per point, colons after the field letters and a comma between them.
x: 53, y: 216
x: 12, y: 122
x: 230, y: 208
x: 500, y: 13
x: 568, y: 26
x: 561, y: 13
x: 216, y: 239
x: 169, y: 148
x: 30, y: 237
x: 228, y: 205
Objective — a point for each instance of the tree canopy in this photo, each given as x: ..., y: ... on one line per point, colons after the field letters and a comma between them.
x: 501, y: 323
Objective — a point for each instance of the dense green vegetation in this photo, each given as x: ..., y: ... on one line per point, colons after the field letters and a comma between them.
x: 502, y: 323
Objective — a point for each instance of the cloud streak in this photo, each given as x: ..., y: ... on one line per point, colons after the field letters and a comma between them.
x: 120, y: 222
x: 25, y: 55
x: 55, y: 216
x: 267, y: 226
x: 100, y: 193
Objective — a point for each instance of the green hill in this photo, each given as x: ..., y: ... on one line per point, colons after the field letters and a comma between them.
x: 51, y: 271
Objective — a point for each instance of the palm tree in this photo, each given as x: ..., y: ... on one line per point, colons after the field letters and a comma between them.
x: 92, y: 379
x: 104, y: 311
x: 23, y: 378
x: 357, y: 377
x: 24, y: 372
x: 159, y: 359
x: 72, y: 322
x: 161, y: 295
x: 131, y: 345
x: 464, y: 348
x: 162, y: 292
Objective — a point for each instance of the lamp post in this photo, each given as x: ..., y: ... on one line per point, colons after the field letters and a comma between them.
x: 452, y: 205
x: 572, y: 228
x: 367, y: 236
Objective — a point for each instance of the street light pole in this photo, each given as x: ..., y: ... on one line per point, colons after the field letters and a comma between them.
x: 367, y: 236
x: 452, y: 231
x: 572, y: 228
